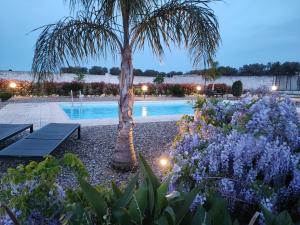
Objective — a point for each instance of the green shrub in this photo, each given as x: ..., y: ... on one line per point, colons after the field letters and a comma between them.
x: 237, y: 88
x: 115, y: 71
x: 74, y: 86
x: 34, y: 197
x: 71, y: 69
x: 159, y: 79
x: 150, y: 73
x: 176, y: 90
x: 138, y: 72
x: 4, y: 96
x: 98, y: 70
x: 138, y: 91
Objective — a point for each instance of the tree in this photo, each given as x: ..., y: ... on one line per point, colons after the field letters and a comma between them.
x: 79, y: 77
x: 138, y: 72
x: 120, y: 27
x: 212, y: 73
x: 227, y: 71
x: 115, y: 71
x: 150, y: 73
x: 98, y: 70
x: 159, y: 79
x: 71, y: 69
x: 253, y: 69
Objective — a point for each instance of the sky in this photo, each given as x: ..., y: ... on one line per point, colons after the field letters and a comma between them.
x: 252, y: 31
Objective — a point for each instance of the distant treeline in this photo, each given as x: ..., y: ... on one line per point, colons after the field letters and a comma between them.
x: 256, y: 69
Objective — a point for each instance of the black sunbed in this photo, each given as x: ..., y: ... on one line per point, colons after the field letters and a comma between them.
x: 42, y: 142
x: 9, y: 130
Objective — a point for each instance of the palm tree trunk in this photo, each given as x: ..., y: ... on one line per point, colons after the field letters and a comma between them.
x: 124, y: 157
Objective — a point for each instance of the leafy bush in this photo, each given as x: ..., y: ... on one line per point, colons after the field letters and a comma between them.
x: 23, y: 87
x: 174, y: 73
x: 176, y: 90
x: 115, y: 71
x: 237, y: 88
x: 95, y: 88
x: 74, y: 86
x: 150, y: 73
x: 221, y: 88
x: 98, y: 70
x: 71, y: 69
x: 34, y: 197
x: 247, y: 151
x: 138, y: 72
x: 4, y: 96
x: 111, y: 89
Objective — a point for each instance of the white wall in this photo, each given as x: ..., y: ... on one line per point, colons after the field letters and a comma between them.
x: 248, y: 81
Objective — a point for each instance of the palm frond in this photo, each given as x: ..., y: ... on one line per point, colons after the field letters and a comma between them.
x: 85, y: 4
x: 72, y: 39
x: 191, y: 23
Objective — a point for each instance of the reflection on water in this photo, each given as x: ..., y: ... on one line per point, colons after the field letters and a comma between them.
x: 144, y: 111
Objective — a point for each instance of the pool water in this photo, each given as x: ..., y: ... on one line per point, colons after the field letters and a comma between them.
x: 106, y: 110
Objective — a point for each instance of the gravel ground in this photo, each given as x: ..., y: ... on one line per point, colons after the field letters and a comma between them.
x: 96, y: 147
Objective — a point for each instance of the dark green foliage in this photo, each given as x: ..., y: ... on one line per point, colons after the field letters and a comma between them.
x: 150, y: 73
x: 159, y: 79
x: 115, y: 71
x: 4, y: 96
x: 227, y: 71
x: 79, y: 77
x: 237, y: 88
x: 282, y: 218
x: 138, y: 72
x: 74, y: 86
x: 98, y: 70
x: 174, y: 73
x: 38, y: 180
x: 177, y: 90
x: 74, y: 70
x: 147, y: 202
x: 211, y: 73
x: 163, y: 74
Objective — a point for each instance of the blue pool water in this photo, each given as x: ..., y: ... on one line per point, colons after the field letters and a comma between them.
x: 106, y: 110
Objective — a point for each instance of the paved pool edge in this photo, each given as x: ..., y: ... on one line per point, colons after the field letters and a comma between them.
x: 40, y: 114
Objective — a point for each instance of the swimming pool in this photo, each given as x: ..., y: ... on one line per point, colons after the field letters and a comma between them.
x: 105, y: 110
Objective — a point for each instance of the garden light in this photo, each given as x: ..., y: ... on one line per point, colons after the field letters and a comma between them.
x: 198, y: 88
x: 274, y: 88
x: 12, y: 85
x: 144, y: 89
x: 164, y: 162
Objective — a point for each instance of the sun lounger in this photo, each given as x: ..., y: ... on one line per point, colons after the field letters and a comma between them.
x: 9, y: 130
x: 41, y: 142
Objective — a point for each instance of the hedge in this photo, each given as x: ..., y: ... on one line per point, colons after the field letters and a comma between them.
x: 25, y: 88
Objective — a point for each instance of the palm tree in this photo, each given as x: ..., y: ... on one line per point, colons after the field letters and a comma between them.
x: 212, y: 73
x: 102, y: 27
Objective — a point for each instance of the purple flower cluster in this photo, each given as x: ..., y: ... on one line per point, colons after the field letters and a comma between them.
x: 37, y: 218
x: 248, y: 151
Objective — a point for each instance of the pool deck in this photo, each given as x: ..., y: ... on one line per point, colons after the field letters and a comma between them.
x: 40, y: 114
